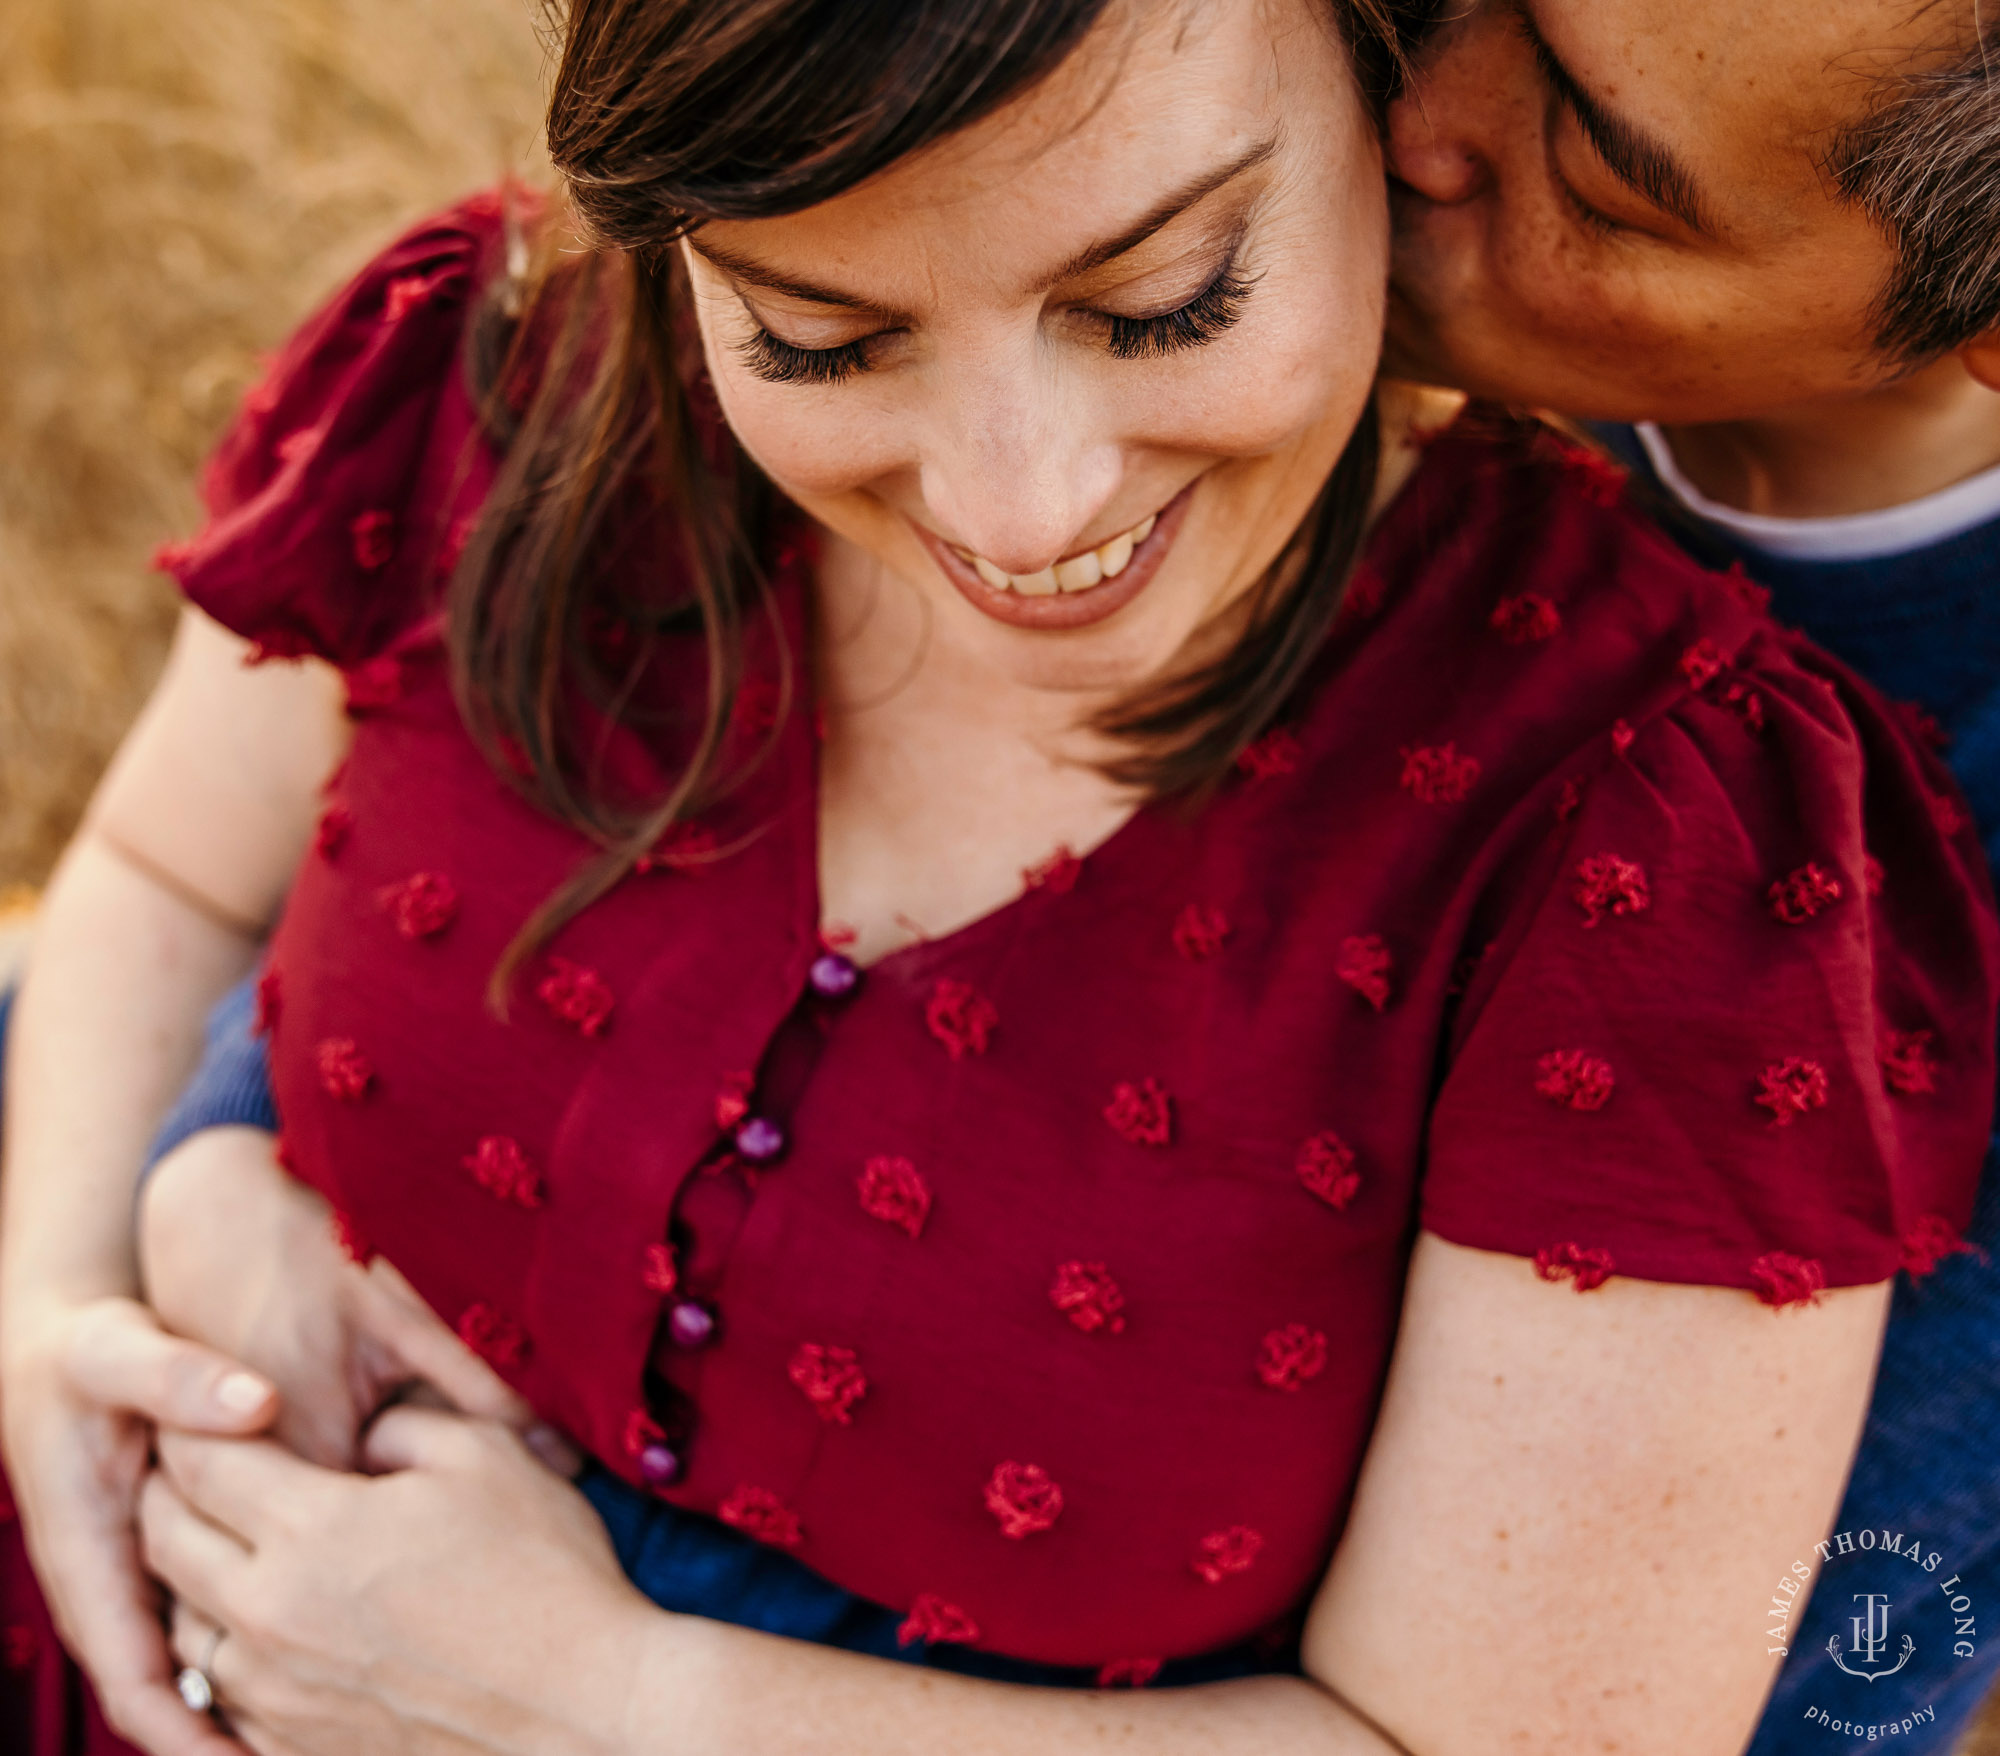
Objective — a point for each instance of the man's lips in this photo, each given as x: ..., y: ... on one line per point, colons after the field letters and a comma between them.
x: 1070, y: 609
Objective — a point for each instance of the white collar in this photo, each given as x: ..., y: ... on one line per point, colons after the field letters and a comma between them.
x: 1857, y: 536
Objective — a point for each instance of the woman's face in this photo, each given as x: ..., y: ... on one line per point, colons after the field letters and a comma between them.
x: 1076, y: 373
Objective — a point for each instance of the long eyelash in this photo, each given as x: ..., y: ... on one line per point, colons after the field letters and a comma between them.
x: 1207, y: 315
x: 779, y: 362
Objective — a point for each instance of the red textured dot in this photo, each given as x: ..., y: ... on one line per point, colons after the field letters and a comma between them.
x: 344, y: 1072
x: 832, y: 1380
x: 1024, y: 1498
x: 373, y: 685
x: 374, y: 535
x: 1929, y: 1242
x: 1584, y: 1266
x: 1085, y: 1293
x: 354, y: 1243
x: 1142, y: 1113
x: 1199, y: 931
x: 422, y: 905
x: 495, y: 1337
x: 1749, y: 705
x: 1525, y: 617
x: 577, y: 995
x: 1798, y: 896
x: 641, y: 1430
x: 1871, y: 875
x: 1622, y: 737
x: 270, y: 1002
x: 1058, y: 873
x: 686, y: 847
x: 1791, y: 1087
x: 936, y: 1621
x: 1292, y: 1356
x: 758, y: 705
x: 732, y: 1102
x: 1326, y: 1166
x: 1277, y: 752
x: 1908, y: 1068
x: 658, y: 1271
x: 1128, y: 1673
x: 1701, y: 664
x: 501, y: 1168
x: 1785, y: 1279
x: 759, y: 1513
x: 1945, y: 813
x: 405, y: 294
x: 894, y: 1191
x: 1439, y: 774
x: 1223, y: 1554
x: 1366, y: 592
x: 20, y: 1646
x: 296, y: 447
x: 336, y: 824
x: 1575, y: 1079
x: 961, y: 1018
x: 1365, y: 966
x: 1570, y: 799
x: 1745, y: 590
x: 1924, y: 725
x: 1599, y: 479
x: 1608, y: 885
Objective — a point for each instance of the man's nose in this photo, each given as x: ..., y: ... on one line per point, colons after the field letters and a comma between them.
x: 1426, y: 152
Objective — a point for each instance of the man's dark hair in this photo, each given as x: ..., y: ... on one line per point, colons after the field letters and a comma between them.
x: 1925, y: 163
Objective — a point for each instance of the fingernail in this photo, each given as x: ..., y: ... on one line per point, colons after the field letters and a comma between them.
x: 240, y: 1392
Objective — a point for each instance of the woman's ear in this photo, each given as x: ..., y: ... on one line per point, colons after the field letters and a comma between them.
x: 1982, y: 358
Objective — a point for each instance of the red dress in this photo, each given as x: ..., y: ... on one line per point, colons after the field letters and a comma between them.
x: 1042, y: 1280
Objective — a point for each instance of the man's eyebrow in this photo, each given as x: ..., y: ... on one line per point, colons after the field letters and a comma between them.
x: 1633, y: 156
x: 1163, y: 213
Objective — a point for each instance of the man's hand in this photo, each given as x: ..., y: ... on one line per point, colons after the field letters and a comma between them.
x: 236, y: 1253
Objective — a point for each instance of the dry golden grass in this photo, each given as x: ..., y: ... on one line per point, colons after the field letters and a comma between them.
x: 179, y: 184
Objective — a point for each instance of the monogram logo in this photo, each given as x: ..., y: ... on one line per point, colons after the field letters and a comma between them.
x: 1871, y: 1640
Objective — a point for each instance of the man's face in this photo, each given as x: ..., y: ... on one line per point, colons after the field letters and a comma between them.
x: 1621, y: 208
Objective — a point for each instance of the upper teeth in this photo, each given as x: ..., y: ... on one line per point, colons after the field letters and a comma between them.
x: 1078, y: 573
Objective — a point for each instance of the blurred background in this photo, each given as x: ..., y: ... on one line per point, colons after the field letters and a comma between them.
x: 180, y: 183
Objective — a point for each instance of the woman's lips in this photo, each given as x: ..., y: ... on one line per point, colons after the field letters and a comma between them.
x: 1070, y: 609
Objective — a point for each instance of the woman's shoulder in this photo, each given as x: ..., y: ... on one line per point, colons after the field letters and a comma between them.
x: 331, y: 500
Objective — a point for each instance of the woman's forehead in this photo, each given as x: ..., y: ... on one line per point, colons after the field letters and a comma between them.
x: 1149, y: 116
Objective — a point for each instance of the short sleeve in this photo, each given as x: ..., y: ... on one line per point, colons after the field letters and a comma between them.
x: 323, y: 498
x: 1737, y: 1028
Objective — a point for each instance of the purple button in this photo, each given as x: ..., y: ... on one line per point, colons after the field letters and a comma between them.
x: 759, y: 1139
x: 659, y: 1466
x: 833, y: 976
x: 690, y: 1325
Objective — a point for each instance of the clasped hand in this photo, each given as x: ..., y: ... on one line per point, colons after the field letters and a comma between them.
x: 272, y: 1330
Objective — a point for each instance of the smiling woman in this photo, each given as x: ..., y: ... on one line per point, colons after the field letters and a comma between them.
x: 1013, y: 971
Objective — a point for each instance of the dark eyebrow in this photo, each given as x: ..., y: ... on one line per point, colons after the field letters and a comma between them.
x: 1633, y: 156
x: 1163, y: 213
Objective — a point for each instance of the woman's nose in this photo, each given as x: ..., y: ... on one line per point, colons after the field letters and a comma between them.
x: 1019, y: 489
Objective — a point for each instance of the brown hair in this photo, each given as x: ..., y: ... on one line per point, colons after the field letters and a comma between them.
x: 1925, y: 165
x: 666, y: 113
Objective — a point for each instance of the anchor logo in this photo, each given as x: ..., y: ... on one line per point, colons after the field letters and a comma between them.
x: 1871, y: 1639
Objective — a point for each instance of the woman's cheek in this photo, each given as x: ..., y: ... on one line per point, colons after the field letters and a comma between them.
x: 820, y: 441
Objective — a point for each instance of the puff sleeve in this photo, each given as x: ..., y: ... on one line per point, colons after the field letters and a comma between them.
x: 327, y: 499
x: 1740, y: 1031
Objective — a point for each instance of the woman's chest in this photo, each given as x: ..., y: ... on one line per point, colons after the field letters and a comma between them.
x: 1078, y: 1207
